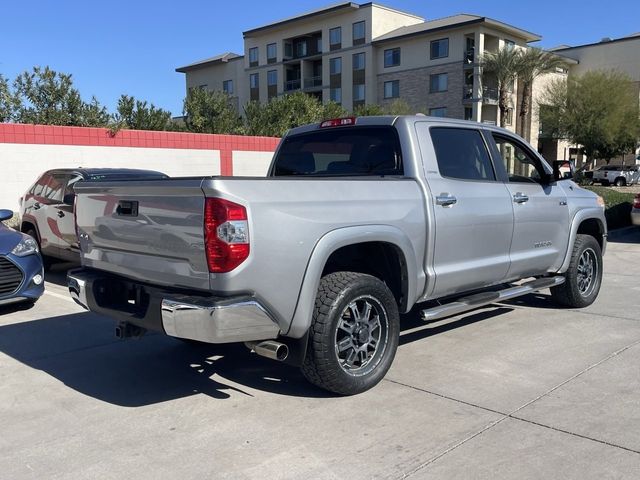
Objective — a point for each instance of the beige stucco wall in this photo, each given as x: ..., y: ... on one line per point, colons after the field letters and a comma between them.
x: 212, y: 76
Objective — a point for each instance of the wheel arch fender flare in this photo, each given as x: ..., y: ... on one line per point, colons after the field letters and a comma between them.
x: 582, y: 215
x: 335, y: 240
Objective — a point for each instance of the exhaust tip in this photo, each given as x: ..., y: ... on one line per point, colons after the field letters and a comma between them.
x: 270, y: 349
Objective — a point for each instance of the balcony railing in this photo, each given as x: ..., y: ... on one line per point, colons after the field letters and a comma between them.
x: 490, y: 94
x: 292, y: 85
x: 313, y: 82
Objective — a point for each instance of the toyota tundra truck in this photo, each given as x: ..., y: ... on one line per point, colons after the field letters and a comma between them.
x: 358, y: 220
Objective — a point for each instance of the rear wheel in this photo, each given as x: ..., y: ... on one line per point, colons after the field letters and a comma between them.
x: 354, y: 333
x: 584, y: 275
x: 620, y: 182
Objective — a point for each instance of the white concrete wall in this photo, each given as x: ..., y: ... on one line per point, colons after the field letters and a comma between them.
x: 251, y: 164
x: 22, y: 164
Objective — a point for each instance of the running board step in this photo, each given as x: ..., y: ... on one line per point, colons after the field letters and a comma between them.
x: 471, y: 302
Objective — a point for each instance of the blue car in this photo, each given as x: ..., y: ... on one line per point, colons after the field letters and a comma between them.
x: 21, y: 274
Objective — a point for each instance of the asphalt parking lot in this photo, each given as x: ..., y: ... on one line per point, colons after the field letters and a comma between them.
x: 519, y: 390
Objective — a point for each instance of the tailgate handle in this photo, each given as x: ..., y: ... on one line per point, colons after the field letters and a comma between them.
x: 127, y: 208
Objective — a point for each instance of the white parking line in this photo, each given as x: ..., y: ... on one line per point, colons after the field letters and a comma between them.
x: 59, y: 295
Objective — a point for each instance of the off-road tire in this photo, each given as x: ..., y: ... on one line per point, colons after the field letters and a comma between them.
x: 337, y: 292
x: 572, y: 293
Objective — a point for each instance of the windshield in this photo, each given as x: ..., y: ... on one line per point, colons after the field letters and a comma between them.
x: 342, y: 151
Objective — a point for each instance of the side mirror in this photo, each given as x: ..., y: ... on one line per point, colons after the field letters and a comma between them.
x: 563, y: 170
x: 5, y: 215
x: 69, y: 199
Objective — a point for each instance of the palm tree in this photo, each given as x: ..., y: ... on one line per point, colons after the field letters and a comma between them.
x: 505, y: 64
x: 533, y: 63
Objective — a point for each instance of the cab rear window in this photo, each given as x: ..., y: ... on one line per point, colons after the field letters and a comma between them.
x: 341, y: 151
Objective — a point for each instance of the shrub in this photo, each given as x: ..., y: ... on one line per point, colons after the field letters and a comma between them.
x: 617, y: 206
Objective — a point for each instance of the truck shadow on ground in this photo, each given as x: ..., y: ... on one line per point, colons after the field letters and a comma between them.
x: 80, y: 351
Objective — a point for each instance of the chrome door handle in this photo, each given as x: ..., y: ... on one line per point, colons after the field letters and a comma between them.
x: 60, y: 213
x: 36, y: 206
x: 446, y: 200
x: 520, y: 197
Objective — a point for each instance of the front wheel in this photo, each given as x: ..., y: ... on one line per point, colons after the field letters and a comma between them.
x: 354, y: 333
x: 584, y: 275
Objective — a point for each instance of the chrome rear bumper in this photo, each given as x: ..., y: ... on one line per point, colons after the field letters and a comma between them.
x: 206, y: 319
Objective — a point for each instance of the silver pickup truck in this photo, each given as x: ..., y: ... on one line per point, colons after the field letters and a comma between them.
x: 358, y: 221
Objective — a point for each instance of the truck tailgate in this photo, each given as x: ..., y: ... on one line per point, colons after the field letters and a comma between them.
x: 149, y: 230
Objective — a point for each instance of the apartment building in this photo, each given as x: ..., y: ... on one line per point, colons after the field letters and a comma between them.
x: 622, y: 54
x: 356, y: 54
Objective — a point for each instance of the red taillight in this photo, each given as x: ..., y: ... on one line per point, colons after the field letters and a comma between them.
x: 338, y: 122
x: 636, y: 201
x: 226, y: 234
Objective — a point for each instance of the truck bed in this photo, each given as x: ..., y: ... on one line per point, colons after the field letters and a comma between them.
x: 152, y: 231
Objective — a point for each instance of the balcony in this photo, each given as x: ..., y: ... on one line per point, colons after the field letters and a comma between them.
x: 490, y: 94
x: 292, y: 85
x: 469, y: 57
x: 313, y: 82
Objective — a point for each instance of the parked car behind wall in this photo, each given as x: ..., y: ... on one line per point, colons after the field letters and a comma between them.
x: 47, y: 208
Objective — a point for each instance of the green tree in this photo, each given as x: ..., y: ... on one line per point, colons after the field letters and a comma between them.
x: 533, y: 63
x: 94, y: 114
x: 399, y: 107
x: 504, y: 65
x: 8, y: 102
x: 140, y: 115
x: 333, y: 110
x: 281, y: 114
x: 598, y: 110
x: 209, y: 111
x: 47, y: 97
x: 368, y: 110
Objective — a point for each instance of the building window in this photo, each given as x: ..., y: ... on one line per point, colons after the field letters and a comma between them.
x: 227, y: 86
x: 392, y: 89
x: 335, y: 66
x: 509, y: 44
x: 253, y: 57
x: 358, y: 33
x: 335, y: 95
x: 439, y: 48
x: 254, y: 87
x: 392, y: 57
x: 438, y: 112
x: 508, y: 118
x: 254, y: 80
x: 438, y: 82
x: 335, y: 38
x: 358, y: 93
x: 468, y: 113
x: 358, y: 61
x: 272, y: 78
x: 272, y: 53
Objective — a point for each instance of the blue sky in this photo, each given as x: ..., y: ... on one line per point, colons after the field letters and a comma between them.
x: 133, y: 47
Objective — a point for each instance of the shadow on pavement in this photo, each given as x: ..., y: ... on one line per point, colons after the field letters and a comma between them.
x: 57, y: 273
x: 627, y: 235
x: 80, y: 350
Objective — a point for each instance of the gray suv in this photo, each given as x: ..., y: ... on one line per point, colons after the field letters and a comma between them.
x: 47, y: 209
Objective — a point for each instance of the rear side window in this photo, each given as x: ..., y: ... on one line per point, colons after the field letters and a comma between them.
x: 342, y: 151
x: 461, y: 153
